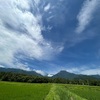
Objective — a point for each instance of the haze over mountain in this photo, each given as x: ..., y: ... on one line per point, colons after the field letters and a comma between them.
x: 50, y: 35
x: 68, y: 75
x: 19, y: 71
x: 62, y: 74
x: 65, y: 74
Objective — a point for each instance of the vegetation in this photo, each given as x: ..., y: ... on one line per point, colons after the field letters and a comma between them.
x: 19, y: 71
x: 59, y: 92
x: 28, y: 91
x: 65, y: 74
x: 88, y: 92
x: 16, y: 77
x: 23, y: 91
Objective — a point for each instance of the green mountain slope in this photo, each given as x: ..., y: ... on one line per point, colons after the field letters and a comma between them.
x: 19, y: 71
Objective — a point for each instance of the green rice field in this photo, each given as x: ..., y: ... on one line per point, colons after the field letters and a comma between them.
x: 28, y: 91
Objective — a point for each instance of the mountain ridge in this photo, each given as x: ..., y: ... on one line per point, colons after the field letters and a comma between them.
x: 61, y: 74
x: 19, y: 71
x: 68, y: 75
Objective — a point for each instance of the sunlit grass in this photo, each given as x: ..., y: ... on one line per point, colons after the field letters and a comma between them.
x: 27, y: 91
x: 23, y: 91
x: 88, y: 92
x: 59, y: 92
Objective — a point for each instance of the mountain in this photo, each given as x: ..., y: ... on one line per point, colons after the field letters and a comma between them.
x: 67, y: 75
x: 96, y: 76
x: 64, y: 74
x: 19, y: 71
x: 61, y: 74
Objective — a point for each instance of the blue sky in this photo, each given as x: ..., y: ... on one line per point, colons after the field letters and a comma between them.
x: 50, y: 35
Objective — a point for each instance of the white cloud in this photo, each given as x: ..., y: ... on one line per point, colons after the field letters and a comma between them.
x: 49, y: 18
x: 41, y: 72
x: 22, y: 66
x: 20, y: 31
x: 37, y: 1
x: 50, y: 75
x: 85, y: 70
x: 86, y: 14
x: 91, y: 71
x: 47, y: 7
x: 2, y: 66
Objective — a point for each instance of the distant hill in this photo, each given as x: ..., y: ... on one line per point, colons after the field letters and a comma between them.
x: 85, y: 77
x: 64, y: 74
x: 67, y: 75
x: 19, y: 71
x: 96, y: 76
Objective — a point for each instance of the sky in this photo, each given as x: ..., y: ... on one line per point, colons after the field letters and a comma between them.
x: 50, y: 35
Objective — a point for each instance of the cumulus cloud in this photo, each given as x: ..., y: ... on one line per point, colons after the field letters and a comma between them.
x: 91, y: 71
x: 2, y: 66
x: 85, y: 70
x: 41, y: 72
x: 86, y: 14
x: 50, y: 75
x: 21, y: 32
x: 47, y: 7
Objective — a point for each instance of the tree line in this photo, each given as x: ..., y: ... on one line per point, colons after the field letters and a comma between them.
x: 17, y: 77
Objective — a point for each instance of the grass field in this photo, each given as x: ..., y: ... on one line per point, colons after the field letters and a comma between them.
x: 25, y: 91
x: 88, y: 92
